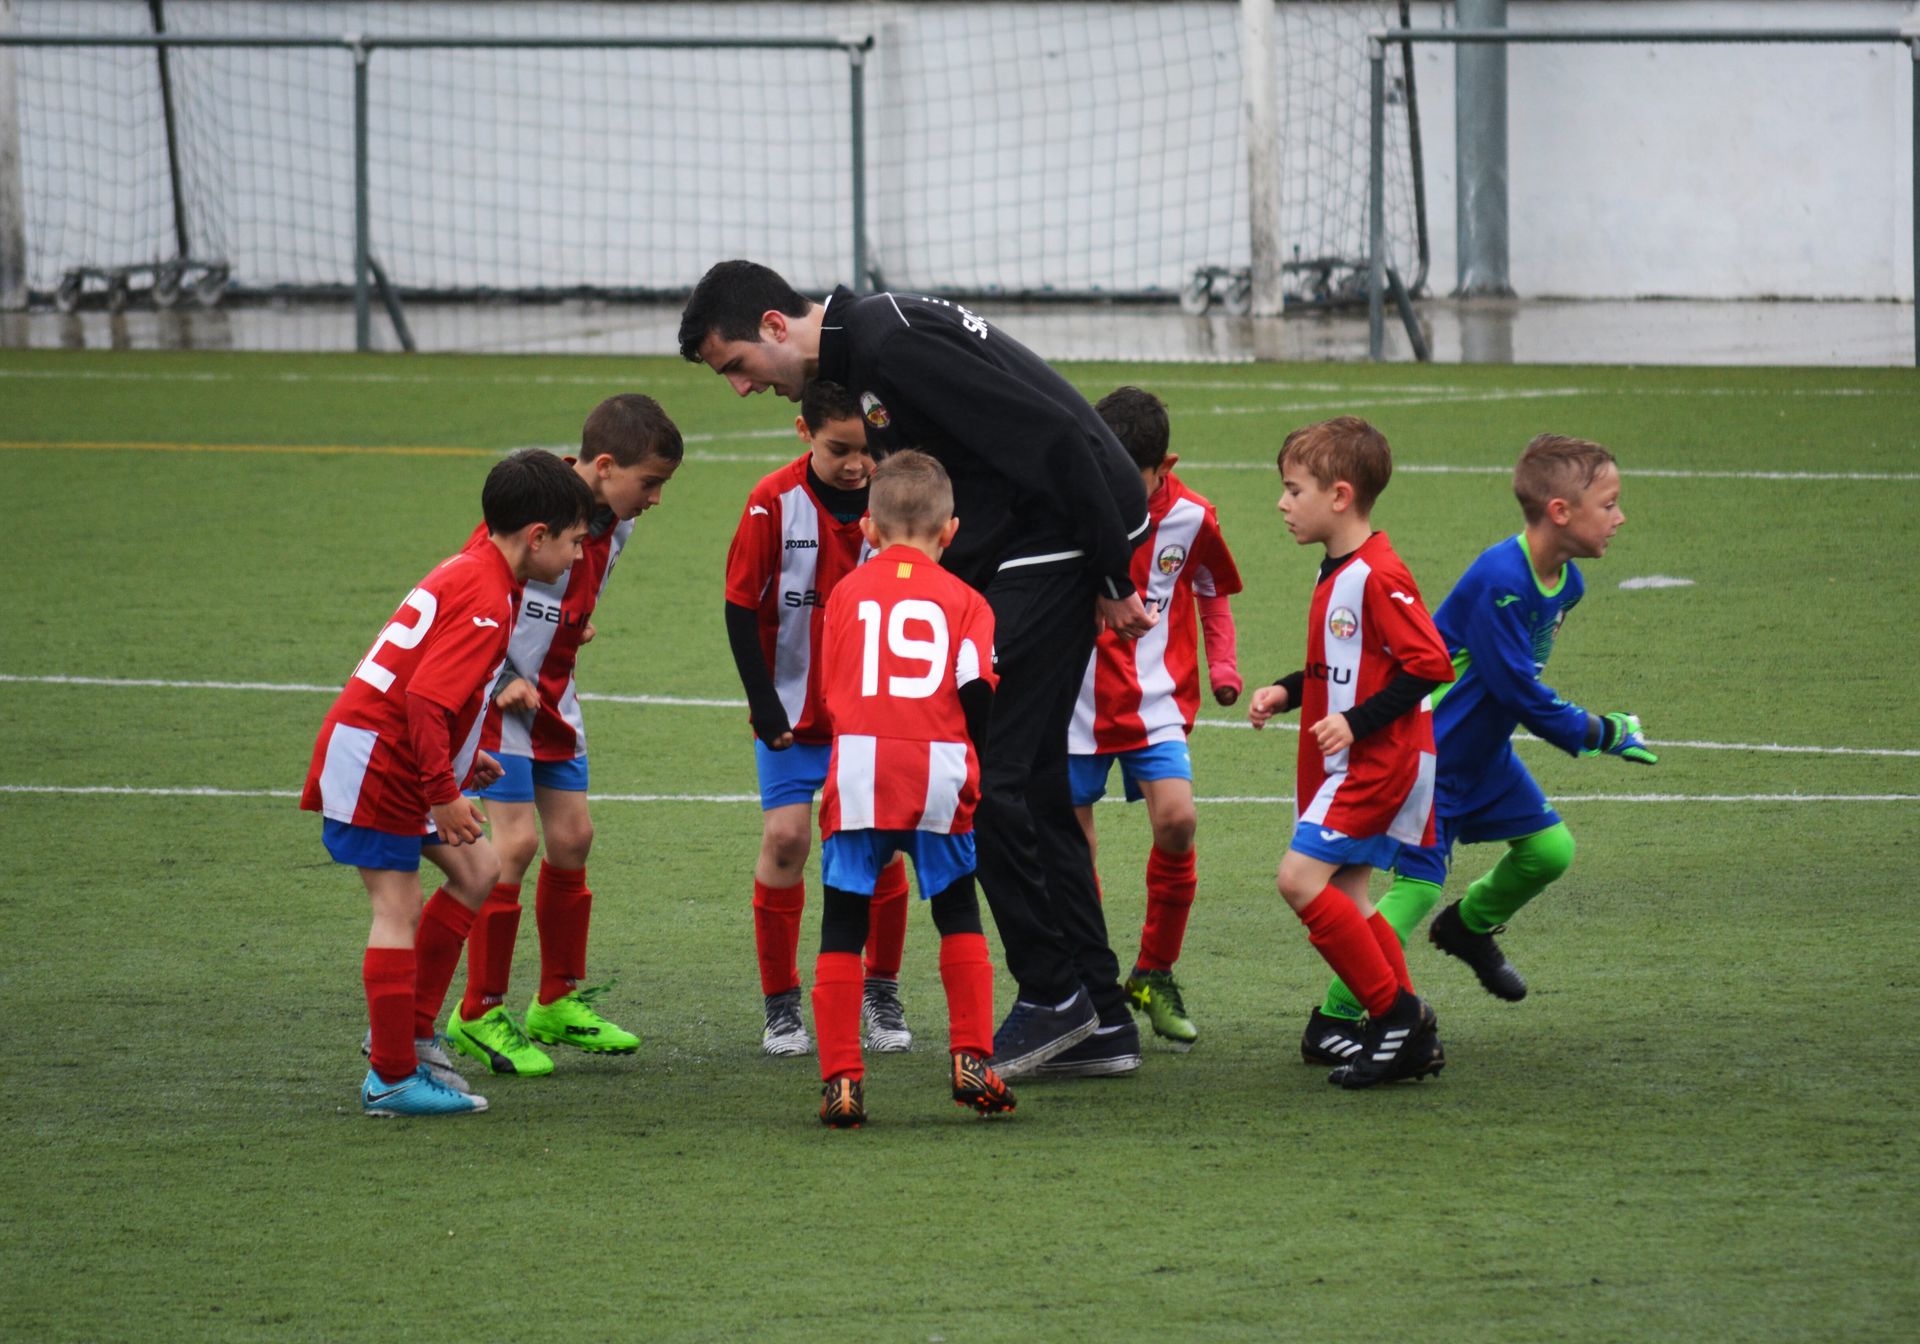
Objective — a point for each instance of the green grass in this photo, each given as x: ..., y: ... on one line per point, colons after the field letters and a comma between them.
x: 1697, y: 1126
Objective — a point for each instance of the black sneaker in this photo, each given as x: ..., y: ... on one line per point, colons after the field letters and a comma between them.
x: 1109, y: 1052
x: 1034, y: 1033
x: 1497, y: 976
x: 1331, y: 1040
x: 1398, y: 1044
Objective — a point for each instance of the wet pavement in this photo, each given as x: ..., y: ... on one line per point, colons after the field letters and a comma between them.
x: 1671, y: 331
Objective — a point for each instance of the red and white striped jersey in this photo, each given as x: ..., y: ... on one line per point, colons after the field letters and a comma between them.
x: 546, y: 644
x: 1365, y: 625
x: 787, y: 555
x: 1138, y: 692
x: 903, y: 636
x: 445, y: 644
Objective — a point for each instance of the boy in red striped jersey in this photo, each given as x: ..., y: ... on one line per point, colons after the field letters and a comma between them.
x: 396, y: 746
x: 1137, y: 706
x: 1366, y: 743
x: 799, y: 536
x: 907, y: 671
x: 629, y: 449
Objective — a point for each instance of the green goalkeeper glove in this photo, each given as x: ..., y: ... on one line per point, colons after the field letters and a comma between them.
x: 1620, y: 736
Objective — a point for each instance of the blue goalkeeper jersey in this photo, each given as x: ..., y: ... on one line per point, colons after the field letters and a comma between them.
x: 1499, y: 623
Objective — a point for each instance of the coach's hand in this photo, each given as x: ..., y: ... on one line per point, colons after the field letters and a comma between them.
x: 459, y: 822
x: 1128, y: 619
x: 520, y: 697
x: 1620, y: 736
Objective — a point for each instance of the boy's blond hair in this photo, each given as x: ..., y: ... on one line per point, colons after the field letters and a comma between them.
x: 910, y: 496
x: 1345, y: 448
x: 1555, y: 466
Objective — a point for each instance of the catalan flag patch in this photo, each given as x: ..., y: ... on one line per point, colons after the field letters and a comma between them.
x: 904, y: 571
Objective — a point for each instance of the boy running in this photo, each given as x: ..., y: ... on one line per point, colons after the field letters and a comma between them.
x: 1499, y: 623
x: 629, y: 449
x: 1139, y: 698
x: 798, y: 537
x: 392, y: 754
x: 1366, y: 742
x: 907, y: 672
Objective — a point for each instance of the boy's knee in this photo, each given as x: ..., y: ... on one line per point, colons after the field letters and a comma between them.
x: 1173, y: 833
x: 785, y: 845
x: 1545, y: 855
x: 568, y: 844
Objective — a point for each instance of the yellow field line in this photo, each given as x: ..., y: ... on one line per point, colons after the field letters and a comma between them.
x: 392, y: 450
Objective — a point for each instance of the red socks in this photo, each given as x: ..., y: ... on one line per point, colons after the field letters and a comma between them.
x: 776, y: 934
x: 967, y: 975
x: 887, y: 920
x: 1170, y: 887
x: 490, y: 951
x: 388, y: 974
x: 444, y: 926
x: 562, y: 908
x: 1390, y: 948
x: 837, y: 985
x: 1337, y: 932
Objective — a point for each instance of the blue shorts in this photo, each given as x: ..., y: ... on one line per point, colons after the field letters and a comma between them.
x: 793, y: 775
x: 1317, y: 842
x: 1162, y: 760
x: 364, y: 847
x: 523, y: 772
x: 851, y: 860
x: 1519, y: 809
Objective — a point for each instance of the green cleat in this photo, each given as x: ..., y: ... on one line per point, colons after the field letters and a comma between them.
x: 571, y: 1020
x: 497, y: 1041
x: 1157, y: 994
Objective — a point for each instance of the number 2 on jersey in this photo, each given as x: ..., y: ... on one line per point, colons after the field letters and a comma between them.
x: 932, y: 652
x: 401, y: 637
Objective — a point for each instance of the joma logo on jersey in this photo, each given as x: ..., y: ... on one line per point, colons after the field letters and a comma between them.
x: 551, y: 613
x: 802, y: 544
x: 1170, y: 559
x: 1341, y: 623
x: 809, y: 598
x: 1339, y: 676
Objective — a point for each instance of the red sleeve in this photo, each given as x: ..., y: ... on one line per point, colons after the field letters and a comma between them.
x: 1211, y: 566
x: 1405, y: 627
x: 754, y: 557
x: 1216, y: 628
x: 430, y: 731
x: 469, y: 638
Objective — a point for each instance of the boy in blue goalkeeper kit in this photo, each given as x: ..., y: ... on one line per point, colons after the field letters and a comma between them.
x: 1499, y: 623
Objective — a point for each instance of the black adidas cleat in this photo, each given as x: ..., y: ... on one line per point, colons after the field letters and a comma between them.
x: 1497, y: 976
x: 976, y: 1085
x: 843, y: 1104
x: 1331, y: 1040
x: 1401, y: 1043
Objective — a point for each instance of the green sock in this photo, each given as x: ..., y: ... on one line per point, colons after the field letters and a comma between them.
x: 1405, y: 904
x: 1529, y: 866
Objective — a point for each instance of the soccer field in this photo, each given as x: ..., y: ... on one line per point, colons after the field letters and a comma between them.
x: 1697, y: 1126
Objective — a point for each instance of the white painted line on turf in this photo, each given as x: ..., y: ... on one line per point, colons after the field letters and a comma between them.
x: 1672, y: 474
x: 1656, y: 581
x: 700, y: 702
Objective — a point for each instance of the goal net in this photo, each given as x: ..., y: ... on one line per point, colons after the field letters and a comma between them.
x: 1059, y: 149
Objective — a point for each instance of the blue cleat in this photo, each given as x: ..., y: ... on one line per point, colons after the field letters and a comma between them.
x: 418, y: 1094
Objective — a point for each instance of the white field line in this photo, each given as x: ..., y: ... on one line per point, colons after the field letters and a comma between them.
x: 122, y: 790
x: 685, y: 701
x: 1632, y: 473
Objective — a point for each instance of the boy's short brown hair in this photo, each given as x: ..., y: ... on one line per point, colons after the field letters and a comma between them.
x: 1345, y: 448
x: 1555, y: 466
x: 911, y: 495
x: 630, y: 428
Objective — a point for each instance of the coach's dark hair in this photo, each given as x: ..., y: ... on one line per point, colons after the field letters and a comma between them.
x: 1555, y: 466
x: 1139, y: 420
x: 534, y: 486
x: 821, y: 401
x: 911, y: 495
x: 630, y: 428
x: 729, y: 301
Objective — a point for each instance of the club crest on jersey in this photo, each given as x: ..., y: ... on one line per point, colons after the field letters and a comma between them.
x: 875, y: 413
x: 1341, y: 623
x: 1170, y: 559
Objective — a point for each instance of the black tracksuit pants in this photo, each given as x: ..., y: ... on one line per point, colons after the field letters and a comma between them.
x: 1034, y: 864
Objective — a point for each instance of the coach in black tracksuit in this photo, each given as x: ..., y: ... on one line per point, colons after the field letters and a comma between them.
x: 1050, y: 509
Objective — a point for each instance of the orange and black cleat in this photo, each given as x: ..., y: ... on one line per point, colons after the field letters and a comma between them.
x: 975, y: 1084
x: 842, y: 1104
